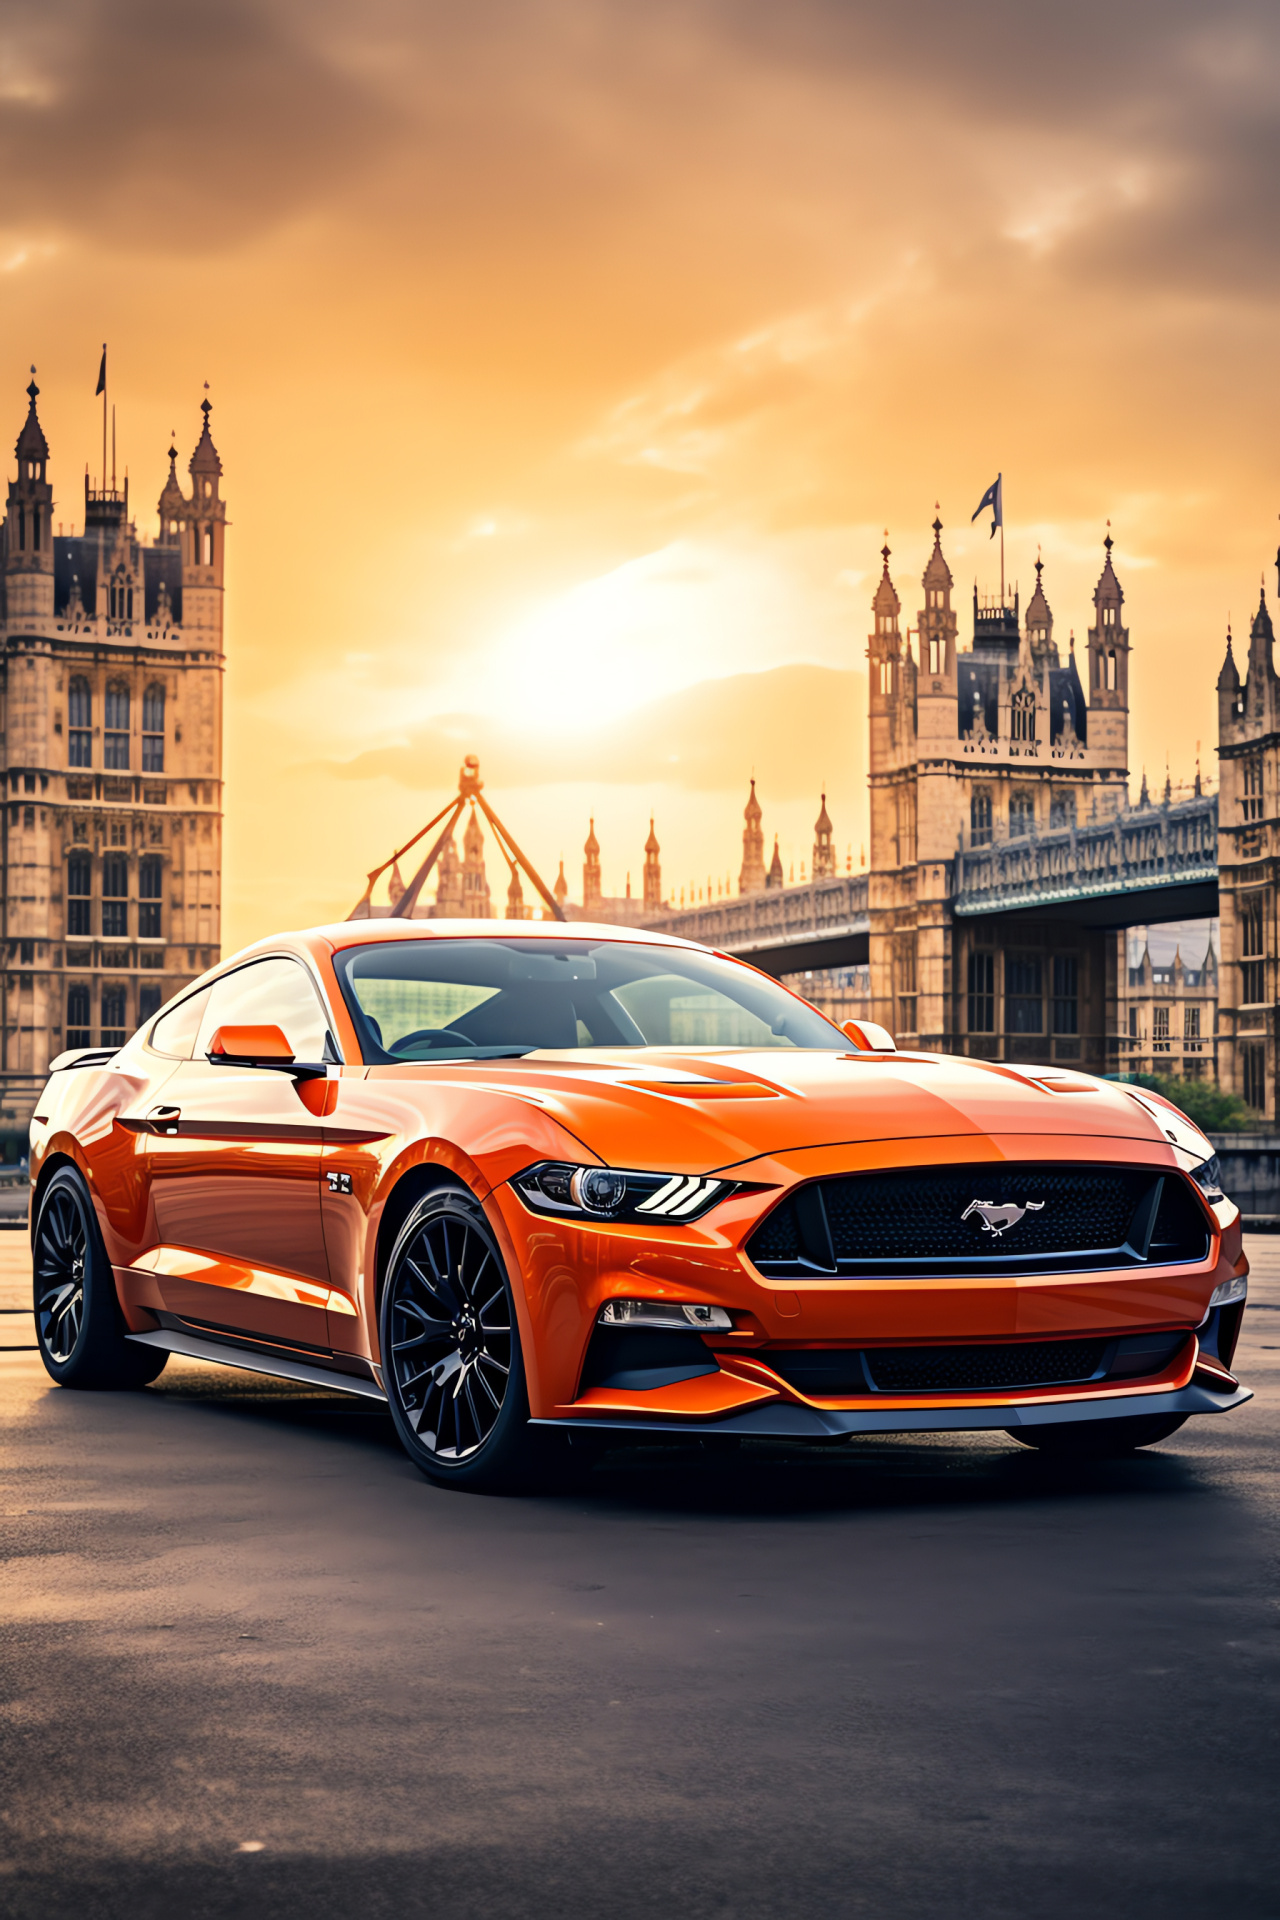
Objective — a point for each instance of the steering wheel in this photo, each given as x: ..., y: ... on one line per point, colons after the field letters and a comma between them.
x: 444, y: 1034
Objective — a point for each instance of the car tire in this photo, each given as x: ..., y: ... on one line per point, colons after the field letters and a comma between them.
x: 1098, y: 1439
x: 452, y: 1364
x: 79, y: 1328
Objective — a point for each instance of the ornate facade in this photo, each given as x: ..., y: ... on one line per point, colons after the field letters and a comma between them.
x: 968, y: 747
x: 112, y: 746
x: 1249, y: 867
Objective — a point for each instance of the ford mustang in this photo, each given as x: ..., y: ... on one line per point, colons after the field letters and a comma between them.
x: 508, y: 1178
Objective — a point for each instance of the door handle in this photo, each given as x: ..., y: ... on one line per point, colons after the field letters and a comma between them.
x: 165, y: 1119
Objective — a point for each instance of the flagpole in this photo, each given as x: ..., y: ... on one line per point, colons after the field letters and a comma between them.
x: 104, y: 416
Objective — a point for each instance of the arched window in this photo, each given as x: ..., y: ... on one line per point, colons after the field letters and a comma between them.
x: 115, y: 898
x: 79, y: 887
x: 1022, y: 815
x: 150, y: 880
x: 121, y: 596
x: 114, y: 1000
x: 1023, y: 714
x: 115, y: 737
x: 1062, y: 811
x: 980, y: 819
x: 1111, y: 670
x: 153, y: 729
x: 79, y: 723
x: 78, y: 1016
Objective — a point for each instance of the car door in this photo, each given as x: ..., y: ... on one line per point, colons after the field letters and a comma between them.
x: 234, y: 1166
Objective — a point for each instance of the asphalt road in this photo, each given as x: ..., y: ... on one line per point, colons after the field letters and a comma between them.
x: 254, y: 1665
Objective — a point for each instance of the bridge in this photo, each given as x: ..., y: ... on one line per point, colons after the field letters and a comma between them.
x: 1147, y: 864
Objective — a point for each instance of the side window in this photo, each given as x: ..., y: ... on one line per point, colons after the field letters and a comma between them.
x: 175, y: 1032
x: 268, y: 993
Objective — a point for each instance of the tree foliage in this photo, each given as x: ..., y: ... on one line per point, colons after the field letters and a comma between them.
x: 1212, y: 1110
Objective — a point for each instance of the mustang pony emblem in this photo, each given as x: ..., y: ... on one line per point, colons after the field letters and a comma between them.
x: 999, y: 1219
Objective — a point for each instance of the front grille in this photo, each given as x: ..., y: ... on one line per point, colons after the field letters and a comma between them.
x: 837, y: 1373
x: 1013, y: 1218
x: 1034, y: 1363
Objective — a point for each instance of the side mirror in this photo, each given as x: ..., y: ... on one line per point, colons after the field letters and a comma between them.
x: 260, y: 1047
x: 869, y: 1036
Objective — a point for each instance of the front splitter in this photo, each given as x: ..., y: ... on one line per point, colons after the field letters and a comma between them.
x: 783, y: 1421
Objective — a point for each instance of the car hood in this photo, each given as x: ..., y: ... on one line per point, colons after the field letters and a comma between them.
x: 683, y: 1109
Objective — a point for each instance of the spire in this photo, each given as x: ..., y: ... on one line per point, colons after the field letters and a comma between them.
x: 204, y: 462
x: 1039, y: 614
x: 561, y: 887
x: 774, y: 878
x: 937, y: 573
x: 824, y: 852
x: 591, y: 886
x: 1229, y: 678
x: 652, y: 872
x: 751, y: 877
x: 886, y: 606
x: 172, y: 503
x: 1144, y: 798
x: 32, y: 444
x: 515, y: 896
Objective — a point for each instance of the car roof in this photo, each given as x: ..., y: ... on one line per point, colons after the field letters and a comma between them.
x: 359, y: 933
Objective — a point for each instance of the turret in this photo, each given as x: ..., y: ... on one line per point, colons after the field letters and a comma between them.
x: 885, y: 642
x: 937, y: 621
x: 1038, y: 625
x: 774, y: 878
x: 824, y: 853
x: 591, y: 887
x: 28, y: 529
x: 652, y: 873
x: 1108, y: 642
x: 751, y: 873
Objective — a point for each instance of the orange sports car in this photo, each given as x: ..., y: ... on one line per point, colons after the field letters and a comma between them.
x: 513, y: 1178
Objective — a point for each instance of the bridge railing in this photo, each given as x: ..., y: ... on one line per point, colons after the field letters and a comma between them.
x: 1153, y: 847
x: 750, y: 920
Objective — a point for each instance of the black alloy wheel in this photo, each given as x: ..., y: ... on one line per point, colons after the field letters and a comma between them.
x: 79, y: 1331
x: 451, y: 1359
x: 1098, y: 1439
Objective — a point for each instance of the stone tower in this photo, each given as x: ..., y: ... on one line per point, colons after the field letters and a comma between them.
x: 1249, y: 867
x: 112, y: 742
x: 652, y: 873
x: 751, y: 877
x: 975, y: 750
x: 824, y: 853
x: 476, y: 904
x: 591, y: 887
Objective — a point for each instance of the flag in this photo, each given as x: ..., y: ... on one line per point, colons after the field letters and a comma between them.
x: 993, y: 498
x: 102, y: 373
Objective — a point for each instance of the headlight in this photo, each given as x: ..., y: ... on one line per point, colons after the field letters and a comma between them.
x: 664, y: 1313
x: 1227, y: 1292
x: 604, y: 1193
x: 1208, y: 1177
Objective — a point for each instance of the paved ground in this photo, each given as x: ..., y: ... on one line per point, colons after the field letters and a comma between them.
x: 254, y: 1665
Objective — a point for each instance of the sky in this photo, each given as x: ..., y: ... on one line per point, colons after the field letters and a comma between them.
x: 569, y: 360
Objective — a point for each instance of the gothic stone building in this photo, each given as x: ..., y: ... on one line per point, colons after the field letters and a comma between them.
x: 112, y: 762
x: 1002, y: 738
x: 1249, y: 868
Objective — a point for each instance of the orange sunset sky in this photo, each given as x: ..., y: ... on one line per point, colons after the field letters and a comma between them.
x: 569, y: 358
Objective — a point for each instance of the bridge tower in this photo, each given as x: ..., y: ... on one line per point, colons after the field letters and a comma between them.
x: 1249, y: 867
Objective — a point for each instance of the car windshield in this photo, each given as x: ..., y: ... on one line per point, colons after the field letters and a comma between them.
x: 435, y: 999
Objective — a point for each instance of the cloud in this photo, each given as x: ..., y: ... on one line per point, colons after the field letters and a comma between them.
x: 794, y: 726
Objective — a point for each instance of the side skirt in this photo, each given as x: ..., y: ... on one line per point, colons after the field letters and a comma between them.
x: 222, y: 1354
